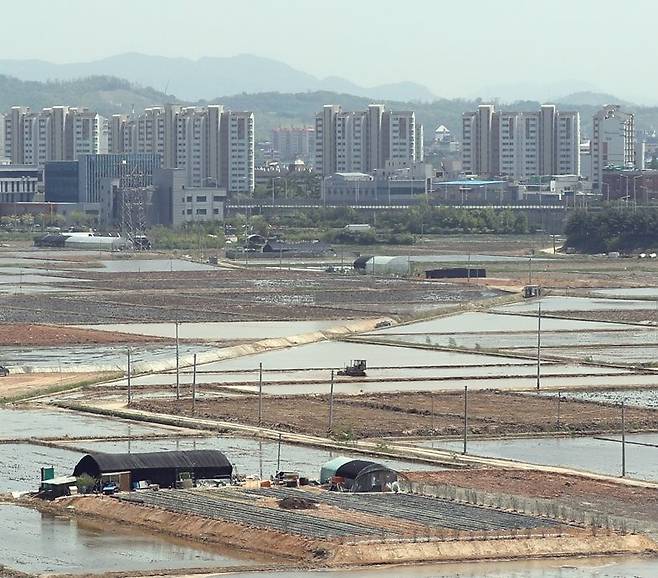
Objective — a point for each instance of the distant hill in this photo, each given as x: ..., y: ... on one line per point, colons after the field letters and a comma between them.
x: 588, y: 98
x: 105, y: 94
x: 208, y: 77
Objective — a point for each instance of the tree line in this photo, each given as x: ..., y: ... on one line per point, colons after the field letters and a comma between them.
x: 613, y: 229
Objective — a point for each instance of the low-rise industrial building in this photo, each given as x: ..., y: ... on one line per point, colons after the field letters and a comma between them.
x: 165, y: 469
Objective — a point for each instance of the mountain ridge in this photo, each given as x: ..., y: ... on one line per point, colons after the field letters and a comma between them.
x: 207, y: 76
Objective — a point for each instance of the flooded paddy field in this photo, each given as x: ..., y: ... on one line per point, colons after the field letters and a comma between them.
x: 221, y: 331
x: 591, y: 567
x: 590, y: 454
x: 480, y: 322
x: 646, y: 397
x: 375, y: 374
x: 56, y: 424
x: 593, y: 380
x: 36, y: 542
x: 336, y: 354
x: 618, y: 354
x: 649, y: 293
x: 557, y: 303
x: 522, y: 340
x: 81, y: 358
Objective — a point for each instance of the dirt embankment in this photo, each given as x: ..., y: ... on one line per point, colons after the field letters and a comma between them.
x: 327, y: 552
x: 23, y: 334
x: 414, y: 414
x: 192, y: 527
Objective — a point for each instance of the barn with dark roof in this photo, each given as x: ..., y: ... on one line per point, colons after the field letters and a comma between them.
x: 162, y: 468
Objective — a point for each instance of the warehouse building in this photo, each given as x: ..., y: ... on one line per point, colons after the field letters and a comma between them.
x: 165, y: 469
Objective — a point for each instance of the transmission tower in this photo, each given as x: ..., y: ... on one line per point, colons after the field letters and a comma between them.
x: 133, y: 191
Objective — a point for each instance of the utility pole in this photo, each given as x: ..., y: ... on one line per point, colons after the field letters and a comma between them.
x: 260, y: 394
x: 559, y: 399
x: 623, y: 439
x: 177, y: 364
x: 539, y: 346
x: 331, y: 403
x: 278, y: 456
x: 194, y: 386
x: 530, y: 271
x: 465, y: 417
x: 130, y: 396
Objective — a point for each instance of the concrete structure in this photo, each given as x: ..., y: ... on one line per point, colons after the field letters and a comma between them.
x: 520, y: 144
x: 292, y: 143
x: 93, y: 169
x: 363, y: 141
x: 214, y: 147
x: 613, y: 142
x: 174, y: 203
x: 56, y: 133
x: 20, y: 184
x: 362, y: 188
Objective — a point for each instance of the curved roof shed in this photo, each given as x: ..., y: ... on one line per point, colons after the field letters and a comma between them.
x: 157, y: 467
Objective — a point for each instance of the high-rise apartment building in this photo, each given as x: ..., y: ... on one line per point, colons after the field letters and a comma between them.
x: 214, y: 147
x: 520, y: 144
x: 613, y: 142
x: 364, y: 141
x: 292, y: 143
x: 56, y: 133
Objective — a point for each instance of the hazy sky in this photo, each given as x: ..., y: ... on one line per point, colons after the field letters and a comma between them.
x: 455, y: 47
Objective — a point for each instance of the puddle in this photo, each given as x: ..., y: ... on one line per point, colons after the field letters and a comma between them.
x: 217, y: 331
x: 586, y: 453
x: 35, y: 542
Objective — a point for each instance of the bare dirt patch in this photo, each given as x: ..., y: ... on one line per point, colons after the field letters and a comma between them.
x: 414, y: 414
x: 22, y: 384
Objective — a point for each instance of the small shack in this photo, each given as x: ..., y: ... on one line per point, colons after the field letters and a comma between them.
x: 456, y: 273
x: 163, y: 468
x: 358, y: 475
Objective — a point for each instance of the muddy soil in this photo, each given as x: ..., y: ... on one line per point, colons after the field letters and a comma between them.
x: 414, y: 414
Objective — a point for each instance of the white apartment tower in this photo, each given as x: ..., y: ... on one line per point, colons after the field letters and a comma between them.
x: 613, y: 142
x: 237, y: 142
x: 520, y: 144
x: 364, y: 141
x: 293, y: 143
x: 53, y: 134
x: 214, y: 147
